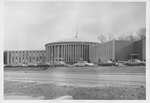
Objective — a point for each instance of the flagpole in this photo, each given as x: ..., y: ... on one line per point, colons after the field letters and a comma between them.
x: 76, y: 32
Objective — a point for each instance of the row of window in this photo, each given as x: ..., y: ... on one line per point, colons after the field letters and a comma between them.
x: 27, y: 51
x: 30, y: 59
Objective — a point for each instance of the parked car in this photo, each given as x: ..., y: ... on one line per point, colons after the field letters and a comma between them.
x: 31, y: 64
x: 19, y: 65
x: 7, y: 65
x: 42, y: 65
x: 135, y: 62
x: 83, y: 63
x: 107, y: 63
x: 58, y: 64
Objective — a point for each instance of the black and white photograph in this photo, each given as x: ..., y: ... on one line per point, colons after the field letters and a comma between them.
x: 89, y: 50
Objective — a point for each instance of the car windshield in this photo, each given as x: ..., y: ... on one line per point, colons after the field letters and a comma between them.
x: 137, y: 60
x: 82, y: 62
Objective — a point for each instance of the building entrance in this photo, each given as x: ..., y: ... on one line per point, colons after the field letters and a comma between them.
x: 134, y: 56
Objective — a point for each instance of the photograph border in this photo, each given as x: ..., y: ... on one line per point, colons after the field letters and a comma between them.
x: 77, y: 101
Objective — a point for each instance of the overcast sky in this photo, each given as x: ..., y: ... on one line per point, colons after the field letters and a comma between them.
x: 29, y: 26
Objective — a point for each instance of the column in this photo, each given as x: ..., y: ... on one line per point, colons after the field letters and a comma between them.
x: 84, y: 52
x: 63, y: 52
x: 7, y: 53
x: 113, y: 49
x: 50, y: 53
x: 70, y: 50
x: 67, y: 53
x: 52, y: 58
x: 75, y: 54
x: 81, y: 51
x: 78, y: 52
x: 80, y: 46
x: 58, y: 52
x: 47, y: 53
x: 10, y: 57
x: 55, y: 52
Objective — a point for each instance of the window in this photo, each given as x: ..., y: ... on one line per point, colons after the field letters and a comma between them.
x: 40, y: 57
x: 13, y: 59
x: 30, y: 59
x: 19, y: 59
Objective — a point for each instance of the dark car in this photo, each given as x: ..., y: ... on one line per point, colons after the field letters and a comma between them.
x: 107, y: 63
x: 7, y: 65
x: 42, y: 65
x: 134, y: 62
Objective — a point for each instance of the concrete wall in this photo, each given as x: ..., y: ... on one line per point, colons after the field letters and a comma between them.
x: 144, y: 48
x: 102, y: 51
x: 140, y: 48
x: 117, y: 49
x: 123, y: 49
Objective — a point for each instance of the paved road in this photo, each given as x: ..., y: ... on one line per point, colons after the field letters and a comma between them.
x: 80, y: 79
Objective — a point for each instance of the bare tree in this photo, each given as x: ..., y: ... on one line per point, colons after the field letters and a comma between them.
x: 102, y: 38
x: 110, y: 36
x: 121, y: 37
x: 128, y: 36
x: 141, y: 33
x: 131, y: 38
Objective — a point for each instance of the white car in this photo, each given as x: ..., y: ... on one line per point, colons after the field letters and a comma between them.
x: 135, y: 62
x: 83, y: 63
x: 31, y: 64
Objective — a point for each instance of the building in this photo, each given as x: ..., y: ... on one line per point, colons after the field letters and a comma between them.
x: 75, y: 49
x: 118, y: 50
x: 27, y: 56
x: 69, y: 50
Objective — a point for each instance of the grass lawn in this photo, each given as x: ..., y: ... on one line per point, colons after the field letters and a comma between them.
x: 52, y: 91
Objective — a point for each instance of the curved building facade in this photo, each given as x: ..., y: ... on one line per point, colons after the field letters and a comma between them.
x: 68, y: 50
